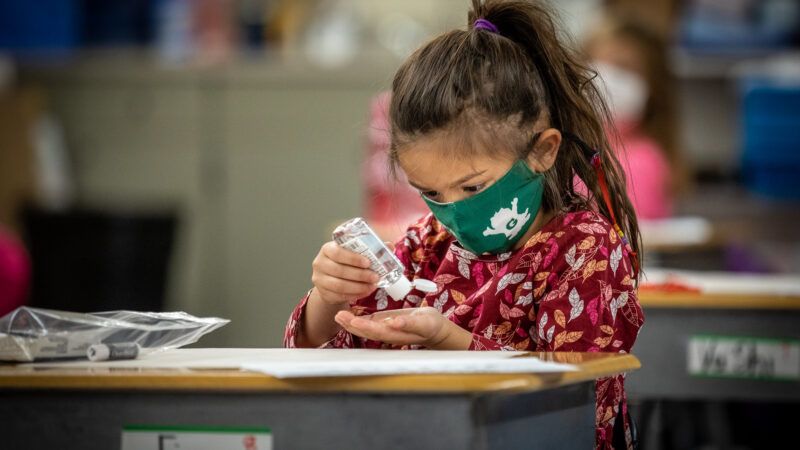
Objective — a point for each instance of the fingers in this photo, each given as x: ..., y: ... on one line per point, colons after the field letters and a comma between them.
x: 341, y: 286
x: 346, y: 272
x: 336, y: 298
x: 340, y: 275
x: 380, y: 332
x: 393, y: 313
x: 344, y: 317
x: 334, y: 252
x: 398, y: 323
x: 424, y: 322
x: 411, y: 323
x: 374, y: 330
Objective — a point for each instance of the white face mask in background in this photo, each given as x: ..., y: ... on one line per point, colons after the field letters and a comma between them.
x: 625, y: 92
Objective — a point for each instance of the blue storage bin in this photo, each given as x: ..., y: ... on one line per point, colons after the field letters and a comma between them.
x: 32, y: 27
x: 771, y: 141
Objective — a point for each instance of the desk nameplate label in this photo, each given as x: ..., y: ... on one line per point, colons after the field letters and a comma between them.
x: 148, y: 437
x: 743, y: 357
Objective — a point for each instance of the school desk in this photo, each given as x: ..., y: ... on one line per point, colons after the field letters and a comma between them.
x: 674, y: 320
x: 87, y: 409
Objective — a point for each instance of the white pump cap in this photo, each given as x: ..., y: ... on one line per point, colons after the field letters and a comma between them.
x: 399, y: 289
x: 426, y: 286
x: 402, y: 287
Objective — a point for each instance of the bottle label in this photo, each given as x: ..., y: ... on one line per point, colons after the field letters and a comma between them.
x: 358, y: 246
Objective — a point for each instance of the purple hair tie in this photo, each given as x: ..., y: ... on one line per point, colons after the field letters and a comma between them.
x: 483, y: 24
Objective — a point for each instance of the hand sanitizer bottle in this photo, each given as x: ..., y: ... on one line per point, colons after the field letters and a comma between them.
x: 356, y: 236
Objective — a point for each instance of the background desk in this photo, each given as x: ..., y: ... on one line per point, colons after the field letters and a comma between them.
x: 676, y: 410
x: 86, y: 409
x: 671, y: 319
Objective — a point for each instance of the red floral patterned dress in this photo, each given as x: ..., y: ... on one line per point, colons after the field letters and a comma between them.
x: 570, y: 288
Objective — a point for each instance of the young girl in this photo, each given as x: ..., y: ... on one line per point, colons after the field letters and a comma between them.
x: 491, y: 124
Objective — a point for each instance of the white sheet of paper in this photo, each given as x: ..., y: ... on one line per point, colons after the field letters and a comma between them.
x: 687, y: 230
x: 282, y: 362
x: 184, y: 358
x: 729, y: 283
x: 384, y: 366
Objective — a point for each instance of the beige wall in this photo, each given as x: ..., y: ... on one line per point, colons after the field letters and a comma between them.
x: 261, y: 161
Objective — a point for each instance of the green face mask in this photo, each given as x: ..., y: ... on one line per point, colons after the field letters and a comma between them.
x: 494, y: 220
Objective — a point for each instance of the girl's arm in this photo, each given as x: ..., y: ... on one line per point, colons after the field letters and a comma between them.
x: 340, y: 277
x: 318, y: 326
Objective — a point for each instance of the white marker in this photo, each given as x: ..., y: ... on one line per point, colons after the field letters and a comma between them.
x: 102, y: 352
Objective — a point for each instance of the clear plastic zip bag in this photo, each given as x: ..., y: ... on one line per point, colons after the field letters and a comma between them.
x: 33, y: 334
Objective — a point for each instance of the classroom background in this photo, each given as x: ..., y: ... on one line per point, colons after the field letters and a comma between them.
x: 182, y: 155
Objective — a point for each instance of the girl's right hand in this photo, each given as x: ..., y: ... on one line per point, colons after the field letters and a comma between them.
x: 341, y: 276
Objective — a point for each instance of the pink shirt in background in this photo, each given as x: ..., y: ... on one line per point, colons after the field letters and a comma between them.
x: 648, y: 176
x: 15, y: 273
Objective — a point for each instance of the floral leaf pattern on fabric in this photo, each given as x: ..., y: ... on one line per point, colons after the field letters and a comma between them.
x: 559, y: 318
x: 577, y: 304
x: 444, y: 279
x: 590, y: 228
x: 550, y: 333
x: 570, y: 257
x: 615, y: 257
x: 566, y: 337
x: 448, y: 314
x: 509, y: 279
x: 618, y: 303
x: 382, y: 300
x: 542, y: 324
x: 441, y: 301
x: 463, y: 268
x: 414, y: 299
x: 569, y: 288
x: 530, y: 260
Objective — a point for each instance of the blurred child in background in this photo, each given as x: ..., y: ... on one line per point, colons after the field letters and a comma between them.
x: 632, y: 61
x: 391, y: 204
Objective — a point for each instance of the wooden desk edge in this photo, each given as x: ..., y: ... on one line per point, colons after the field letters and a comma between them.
x: 232, y: 380
x: 657, y: 299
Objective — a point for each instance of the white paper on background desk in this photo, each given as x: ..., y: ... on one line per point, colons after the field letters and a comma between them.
x: 686, y: 230
x: 281, y: 362
x: 729, y: 283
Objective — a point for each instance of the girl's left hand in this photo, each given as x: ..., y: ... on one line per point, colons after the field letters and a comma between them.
x: 411, y: 326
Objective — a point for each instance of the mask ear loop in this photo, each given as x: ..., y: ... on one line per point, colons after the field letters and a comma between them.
x: 597, y: 163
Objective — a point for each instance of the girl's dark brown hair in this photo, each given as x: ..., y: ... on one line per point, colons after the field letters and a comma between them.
x: 474, y: 82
